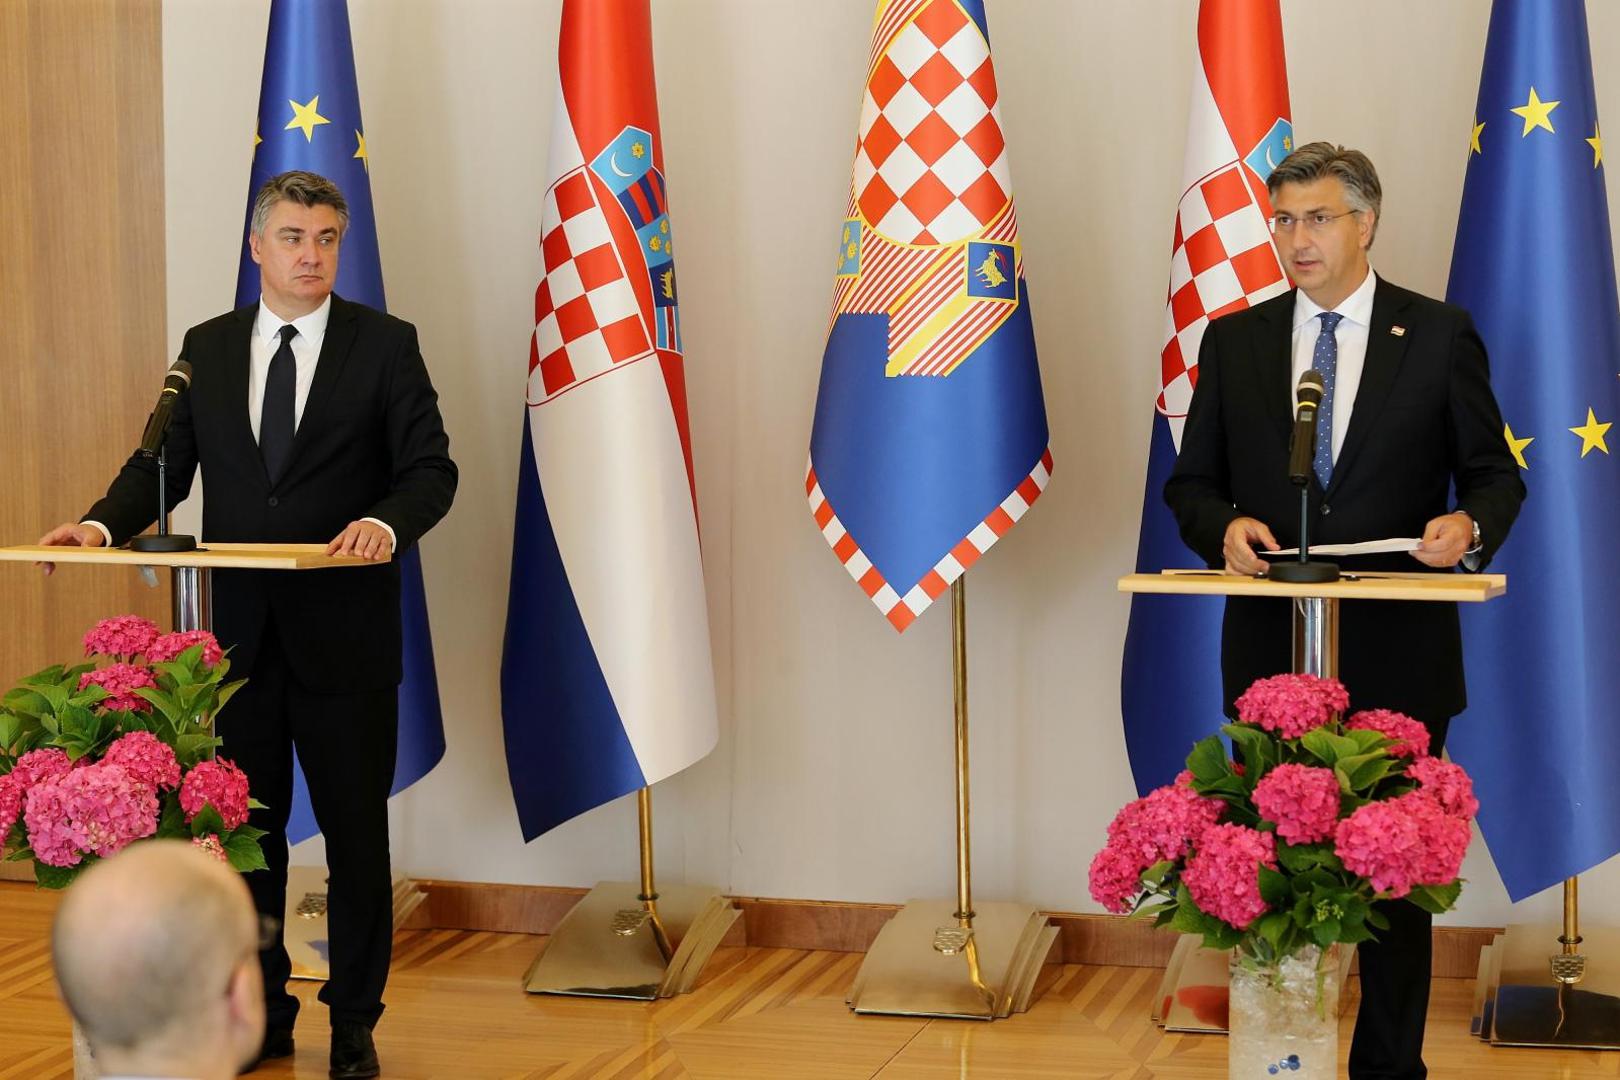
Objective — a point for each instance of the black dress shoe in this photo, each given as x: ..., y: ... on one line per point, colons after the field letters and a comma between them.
x: 278, y: 1043
x: 354, y: 1056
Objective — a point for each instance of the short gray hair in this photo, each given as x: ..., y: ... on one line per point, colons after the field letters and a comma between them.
x: 1351, y: 168
x: 303, y: 188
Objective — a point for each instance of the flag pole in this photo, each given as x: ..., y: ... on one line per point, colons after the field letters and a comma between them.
x: 964, y: 839
x: 649, y: 890
x: 938, y: 959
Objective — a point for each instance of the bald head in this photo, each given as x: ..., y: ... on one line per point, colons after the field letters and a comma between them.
x: 150, y: 943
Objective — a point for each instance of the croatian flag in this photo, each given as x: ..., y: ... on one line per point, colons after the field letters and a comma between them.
x: 606, y: 679
x: 930, y: 438
x: 309, y: 118
x: 1221, y: 260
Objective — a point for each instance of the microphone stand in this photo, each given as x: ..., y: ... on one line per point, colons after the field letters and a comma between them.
x: 1303, y: 571
x: 164, y: 541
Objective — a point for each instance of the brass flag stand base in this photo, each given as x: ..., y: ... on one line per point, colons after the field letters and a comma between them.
x: 305, y: 931
x: 636, y: 942
x: 936, y: 958
x: 1550, y: 986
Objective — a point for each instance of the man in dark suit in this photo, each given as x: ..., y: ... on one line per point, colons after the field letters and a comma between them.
x: 1408, y: 417
x: 313, y: 420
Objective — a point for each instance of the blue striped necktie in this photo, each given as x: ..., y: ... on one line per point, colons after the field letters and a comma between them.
x: 1326, y: 360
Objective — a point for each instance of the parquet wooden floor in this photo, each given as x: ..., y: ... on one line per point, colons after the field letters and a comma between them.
x: 456, y: 1010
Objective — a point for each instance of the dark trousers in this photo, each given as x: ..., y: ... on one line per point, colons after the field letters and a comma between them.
x: 1395, y: 973
x: 346, y: 745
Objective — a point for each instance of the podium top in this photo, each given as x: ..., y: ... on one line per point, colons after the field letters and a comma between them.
x: 232, y: 556
x: 1451, y: 588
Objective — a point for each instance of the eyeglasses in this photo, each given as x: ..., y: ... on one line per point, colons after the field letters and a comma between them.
x: 1315, y: 223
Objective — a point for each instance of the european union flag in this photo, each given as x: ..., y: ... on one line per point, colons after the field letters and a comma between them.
x: 1534, y: 265
x: 309, y: 118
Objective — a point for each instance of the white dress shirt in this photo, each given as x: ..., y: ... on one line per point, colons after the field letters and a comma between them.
x: 1354, y: 329
x: 306, y: 349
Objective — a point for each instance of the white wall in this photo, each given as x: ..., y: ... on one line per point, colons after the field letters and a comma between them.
x: 833, y: 776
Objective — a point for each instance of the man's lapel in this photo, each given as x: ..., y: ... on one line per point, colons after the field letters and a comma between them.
x: 1385, y: 350
x: 234, y: 384
x: 1274, y: 361
x: 341, y: 329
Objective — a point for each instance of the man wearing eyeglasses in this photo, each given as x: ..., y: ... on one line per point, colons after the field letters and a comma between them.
x: 1407, y: 419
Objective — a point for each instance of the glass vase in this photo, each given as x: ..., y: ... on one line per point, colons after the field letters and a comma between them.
x: 1285, y: 1016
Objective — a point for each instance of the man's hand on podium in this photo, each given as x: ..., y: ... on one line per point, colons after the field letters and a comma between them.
x: 365, y: 538
x: 1238, y: 547
x: 71, y: 534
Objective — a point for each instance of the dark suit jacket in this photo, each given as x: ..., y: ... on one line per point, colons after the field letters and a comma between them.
x: 370, y: 443
x: 1424, y: 422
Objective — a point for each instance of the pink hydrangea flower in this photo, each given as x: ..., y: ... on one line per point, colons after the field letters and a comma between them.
x: 1163, y: 824
x: 1303, y: 801
x: 209, y: 844
x: 219, y: 784
x: 1403, y: 842
x: 43, y: 764
x: 121, y: 681
x: 11, y: 802
x: 1291, y: 705
x: 1449, y: 784
x: 147, y: 759
x: 1223, y: 874
x: 1116, y: 878
x: 126, y: 636
x: 172, y: 645
x: 1411, y: 739
x: 98, y: 810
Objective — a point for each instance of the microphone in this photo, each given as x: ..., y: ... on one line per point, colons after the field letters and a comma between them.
x: 1302, y: 447
x: 175, y: 383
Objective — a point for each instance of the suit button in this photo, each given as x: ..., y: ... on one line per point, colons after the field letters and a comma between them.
x: 1326, y: 509
x: 277, y: 502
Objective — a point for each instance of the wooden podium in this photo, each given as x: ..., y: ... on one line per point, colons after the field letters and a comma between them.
x: 1190, y: 976
x: 191, y: 573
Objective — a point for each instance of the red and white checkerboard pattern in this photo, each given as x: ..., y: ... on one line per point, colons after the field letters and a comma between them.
x: 931, y: 163
x: 1222, y: 261
x: 902, y: 611
x: 587, y: 318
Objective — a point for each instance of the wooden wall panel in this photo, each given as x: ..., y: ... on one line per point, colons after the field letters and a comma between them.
x: 82, y: 307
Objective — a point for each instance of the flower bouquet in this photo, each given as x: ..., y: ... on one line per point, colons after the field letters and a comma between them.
x: 94, y: 757
x: 1281, y: 857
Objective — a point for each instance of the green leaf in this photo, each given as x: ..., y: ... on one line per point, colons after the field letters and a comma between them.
x: 1208, y: 759
x: 1320, y: 744
x: 11, y: 729
x: 1298, y: 858
x: 1369, y: 773
x: 1274, y: 888
x: 1366, y: 739
x: 244, y: 852
x: 1326, y: 932
x: 1436, y: 899
x: 1255, y: 748
x: 227, y: 692
x: 56, y: 877
x: 207, y: 821
x: 172, y: 819
x: 1273, y: 927
x: 1152, y: 876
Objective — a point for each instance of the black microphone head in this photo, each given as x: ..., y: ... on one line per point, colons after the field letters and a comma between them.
x: 1309, y: 391
x: 178, y: 377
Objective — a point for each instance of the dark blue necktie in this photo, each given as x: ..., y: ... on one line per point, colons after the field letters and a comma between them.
x: 276, y: 424
x: 1326, y: 360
